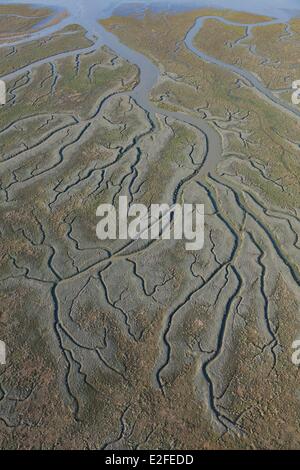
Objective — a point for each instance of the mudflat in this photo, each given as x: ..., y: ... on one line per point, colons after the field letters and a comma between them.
x: 141, y: 344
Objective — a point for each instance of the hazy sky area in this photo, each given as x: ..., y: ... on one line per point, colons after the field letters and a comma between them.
x: 100, y: 8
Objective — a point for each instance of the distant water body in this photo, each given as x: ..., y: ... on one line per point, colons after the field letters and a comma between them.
x: 86, y: 11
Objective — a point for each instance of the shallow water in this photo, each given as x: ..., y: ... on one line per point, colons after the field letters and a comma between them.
x: 87, y: 11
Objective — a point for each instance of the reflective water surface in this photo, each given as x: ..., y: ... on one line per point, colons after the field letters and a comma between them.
x: 89, y: 10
